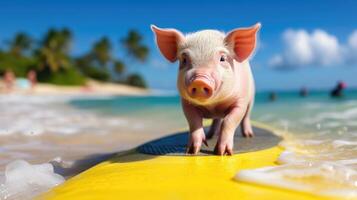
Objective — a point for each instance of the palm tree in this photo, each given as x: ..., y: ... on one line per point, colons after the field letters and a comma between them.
x: 119, y: 67
x: 20, y: 43
x: 133, y: 44
x: 136, y: 80
x: 101, y: 51
x: 54, y: 49
x: 134, y: 47
x: 95, y: 63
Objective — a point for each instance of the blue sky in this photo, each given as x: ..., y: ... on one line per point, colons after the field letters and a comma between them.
x: 89, y: 20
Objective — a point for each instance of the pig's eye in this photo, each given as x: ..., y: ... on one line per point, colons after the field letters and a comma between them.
x: 184, y: 61
x: 223, y: 58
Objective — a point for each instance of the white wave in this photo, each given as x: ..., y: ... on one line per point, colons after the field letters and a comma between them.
x: 25, y: 181
x: 313, y: 105
x: 36, y: 115
x: 303, y: 178
x: 321, y: 150
x: 290, y: 157
x: 303, y: 172
x: 339, y: 143
x: 337, y: 115
x: 347, y: 162
x: 34, y: 99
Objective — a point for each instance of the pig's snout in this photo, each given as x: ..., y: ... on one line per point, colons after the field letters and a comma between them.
x: 200, y: 88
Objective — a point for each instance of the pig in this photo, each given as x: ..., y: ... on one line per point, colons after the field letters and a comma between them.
x: 214, y: 81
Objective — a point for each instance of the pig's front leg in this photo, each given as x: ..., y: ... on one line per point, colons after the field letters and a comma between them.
x: 229, y: 125
x: 215, y: 128
x: 196, y: 135
x: 247, y: 130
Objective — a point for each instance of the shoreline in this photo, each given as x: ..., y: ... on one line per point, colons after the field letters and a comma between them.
x: 92, y: 88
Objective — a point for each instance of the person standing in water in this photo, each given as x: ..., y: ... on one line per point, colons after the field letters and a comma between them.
x: 272, y: 96
x: 338, y: 90
x: 304, y: 92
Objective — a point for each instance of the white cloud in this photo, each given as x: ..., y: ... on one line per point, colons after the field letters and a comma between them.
x: 318, y: 48
x: 326, y: 48
x: 352, y: 48
x: 276, y: 60
x: 352, y: 40
x: 298, y: 49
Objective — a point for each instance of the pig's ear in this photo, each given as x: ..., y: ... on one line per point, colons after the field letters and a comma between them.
x: 167, y: 40
x: 243, y: 41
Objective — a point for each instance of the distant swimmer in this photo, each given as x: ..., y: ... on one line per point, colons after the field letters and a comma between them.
x: 304, y: 92
x: 338, y: 90
x: 272, y: 96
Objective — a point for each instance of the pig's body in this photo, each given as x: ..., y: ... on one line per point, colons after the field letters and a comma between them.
x: 214, y: 80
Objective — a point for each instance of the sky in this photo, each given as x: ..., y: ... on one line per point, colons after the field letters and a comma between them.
x: 301, y: 43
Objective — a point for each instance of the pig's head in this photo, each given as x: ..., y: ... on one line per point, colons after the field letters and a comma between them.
x: 207, y: 60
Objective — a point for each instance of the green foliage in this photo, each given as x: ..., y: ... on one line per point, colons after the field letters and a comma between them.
x: 94, y: 63
x: 101, y: 51
x: 19, y: 65
x: 68, y: 76
x: 52, y: 61
x: 57, y: 40
x: 20, y: 43
x: 119, y: 67
x: 136, y: 80
x: 133, y: 44
x: 95, y: 73
x: 53, y: 53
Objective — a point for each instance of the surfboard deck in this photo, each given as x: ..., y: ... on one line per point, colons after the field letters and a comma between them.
x: 161, y: 170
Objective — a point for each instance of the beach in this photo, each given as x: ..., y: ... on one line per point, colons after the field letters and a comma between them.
x: 92, y: 87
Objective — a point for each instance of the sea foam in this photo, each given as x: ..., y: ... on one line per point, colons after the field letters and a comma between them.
x: 25, y: 181
x: 320, y: 148
x: 297, y: 173
x: 37, y: 115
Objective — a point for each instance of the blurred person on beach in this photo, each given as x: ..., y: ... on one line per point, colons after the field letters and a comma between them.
x: 87, y: 88
x: 9, y: 80
x: 32, y: 78
x: 11, y: 83
x: 338, y: 90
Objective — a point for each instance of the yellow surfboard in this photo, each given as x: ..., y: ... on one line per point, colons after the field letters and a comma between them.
x: 160, y: 170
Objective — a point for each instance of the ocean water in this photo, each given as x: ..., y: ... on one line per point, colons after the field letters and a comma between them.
x: 320, y: 137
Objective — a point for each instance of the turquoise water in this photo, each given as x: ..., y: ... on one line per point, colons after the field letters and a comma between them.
x: 288, y: 107
x: 314, y: 114
x: 320, y: 135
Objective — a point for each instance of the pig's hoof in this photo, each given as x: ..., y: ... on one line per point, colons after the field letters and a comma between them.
x: 193, y: 150
x: 195, y: 142
x: 223, y: 149
x: 247, y: 132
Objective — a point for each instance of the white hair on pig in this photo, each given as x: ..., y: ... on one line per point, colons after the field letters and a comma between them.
x: 202, y: 44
